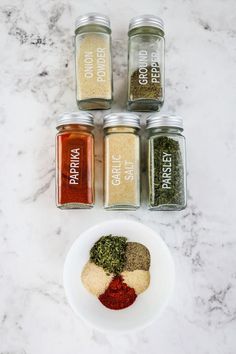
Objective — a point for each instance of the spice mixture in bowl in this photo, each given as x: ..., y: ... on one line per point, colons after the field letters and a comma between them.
x: 118, y: 269
x: 118, y: 276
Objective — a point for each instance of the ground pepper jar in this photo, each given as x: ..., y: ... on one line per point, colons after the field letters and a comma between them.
x: 75, y: 161
x: 146, y: 63
x: 93, y: 62
x: 121, y: 161
x: 166, y: 163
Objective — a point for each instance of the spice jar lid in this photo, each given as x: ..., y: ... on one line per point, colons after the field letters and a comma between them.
x: 122, y: 119
x: 156, y: 121
x: 146, y: 20
x: 83, y: 118
x: 92, y: 18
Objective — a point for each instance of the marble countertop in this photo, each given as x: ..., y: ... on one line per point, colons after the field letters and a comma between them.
x: 37, y: 83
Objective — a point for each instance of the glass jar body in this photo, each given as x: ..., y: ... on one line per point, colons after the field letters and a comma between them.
x: 121, y: 168
x: 93, y: 67
x: 74, y: 167
x: 166, y: 169
x: 146, y: 72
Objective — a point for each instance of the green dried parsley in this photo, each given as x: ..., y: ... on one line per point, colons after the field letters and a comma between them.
x: 175, y: 195
x: 109, y: 252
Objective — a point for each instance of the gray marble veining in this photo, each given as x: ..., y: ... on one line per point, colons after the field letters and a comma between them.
x: 37, y: 83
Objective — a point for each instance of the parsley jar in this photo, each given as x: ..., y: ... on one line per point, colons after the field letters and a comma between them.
x: 166, y: 162
x: 146, y: 63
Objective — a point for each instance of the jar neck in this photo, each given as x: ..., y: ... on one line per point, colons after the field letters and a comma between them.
x: 74, y: 127
x: 131, y: 130
x: 165, y: 130
x: 146, y: 30
x: 92, y: 28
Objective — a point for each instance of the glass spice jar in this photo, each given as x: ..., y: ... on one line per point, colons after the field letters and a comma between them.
x: 146, y: 63
x: 121, y: 161
x: 93, y: 62
x: 166, y: 163
x: 75, y: 161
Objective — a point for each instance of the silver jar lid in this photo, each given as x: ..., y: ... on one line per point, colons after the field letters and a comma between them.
x: 82, y: 118
x: 122, y: 120
x: 158, y: 121
x: 146, y: 20
x: 92, y: 18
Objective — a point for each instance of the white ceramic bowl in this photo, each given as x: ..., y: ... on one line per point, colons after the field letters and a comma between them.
x: 147, y: 306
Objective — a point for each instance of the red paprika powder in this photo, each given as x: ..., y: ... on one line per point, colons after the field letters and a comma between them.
x: 75, y: 161
x: 118, y: 295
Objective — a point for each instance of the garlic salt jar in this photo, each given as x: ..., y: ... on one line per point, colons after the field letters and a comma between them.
x: 121, y: 161
x: 93, y: 62
x: 75, y: 161
x: 146, y: 63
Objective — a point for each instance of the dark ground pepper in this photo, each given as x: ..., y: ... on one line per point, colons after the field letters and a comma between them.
x: 148, y: 91
x: 109, y: 253
x: 175, y: 195
x: 137, y: 257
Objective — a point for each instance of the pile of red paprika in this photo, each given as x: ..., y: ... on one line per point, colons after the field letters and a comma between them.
x: 118, y: 295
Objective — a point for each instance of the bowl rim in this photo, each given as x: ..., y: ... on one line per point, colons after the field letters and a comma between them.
x: 138, y: 327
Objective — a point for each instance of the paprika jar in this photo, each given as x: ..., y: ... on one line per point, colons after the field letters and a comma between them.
x: 75, y: 161
x: 146, y: 63
x: 121, y: 161
x: 166, y: 163
x: 93, y: 61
